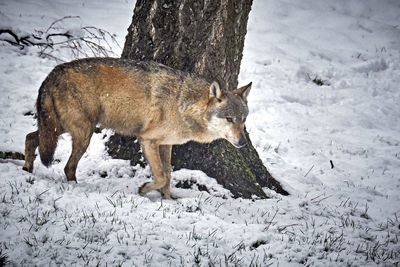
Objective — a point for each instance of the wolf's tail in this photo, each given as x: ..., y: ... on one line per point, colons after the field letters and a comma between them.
x: 48, y: 124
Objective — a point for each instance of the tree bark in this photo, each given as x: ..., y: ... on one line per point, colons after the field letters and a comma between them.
x: 207, y: 38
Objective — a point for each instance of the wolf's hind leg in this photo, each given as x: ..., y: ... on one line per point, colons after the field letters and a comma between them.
x: 31, y: 143
x: 165, y: 154
x: 152, y: 154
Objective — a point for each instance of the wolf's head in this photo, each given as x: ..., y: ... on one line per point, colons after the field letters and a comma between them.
x: 227, y: 112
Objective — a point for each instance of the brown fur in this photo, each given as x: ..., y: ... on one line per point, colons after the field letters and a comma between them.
x: 159, y: 105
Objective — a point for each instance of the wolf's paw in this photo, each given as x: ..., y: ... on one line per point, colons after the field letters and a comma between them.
x: 142, y: 190
x: 28, y: 169
x: 166, y: 194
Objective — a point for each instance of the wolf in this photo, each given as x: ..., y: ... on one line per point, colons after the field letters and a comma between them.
x: 159, y: 105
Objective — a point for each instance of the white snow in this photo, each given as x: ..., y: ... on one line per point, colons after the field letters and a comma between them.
x: 346, y: 215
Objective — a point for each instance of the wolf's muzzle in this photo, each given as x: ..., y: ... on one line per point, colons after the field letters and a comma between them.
x: 242, y: 141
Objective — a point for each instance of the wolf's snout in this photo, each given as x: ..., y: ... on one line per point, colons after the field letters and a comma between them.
x: 242, y: 141
x: 238, y: 143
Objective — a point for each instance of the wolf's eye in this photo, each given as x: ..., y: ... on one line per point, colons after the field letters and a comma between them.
x: 228, y: 119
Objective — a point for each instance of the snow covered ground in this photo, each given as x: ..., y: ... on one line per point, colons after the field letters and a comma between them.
x: 326, y: 78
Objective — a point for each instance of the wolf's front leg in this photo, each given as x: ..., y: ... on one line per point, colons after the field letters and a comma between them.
x: 165, y: 154
x: 152, y: 154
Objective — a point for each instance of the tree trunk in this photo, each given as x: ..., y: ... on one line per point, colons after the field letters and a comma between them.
x: 203, y: 37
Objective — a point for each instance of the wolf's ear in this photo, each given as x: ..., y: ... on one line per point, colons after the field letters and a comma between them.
x: 243, y: 91
x: 215, y: 91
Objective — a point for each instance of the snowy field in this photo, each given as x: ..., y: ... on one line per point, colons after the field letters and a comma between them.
x: 325, y: 94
